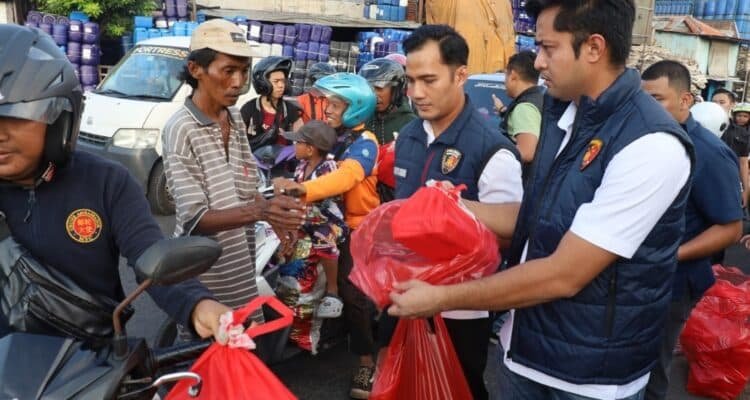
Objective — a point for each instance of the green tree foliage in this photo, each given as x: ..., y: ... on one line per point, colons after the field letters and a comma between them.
x: 114, y: 16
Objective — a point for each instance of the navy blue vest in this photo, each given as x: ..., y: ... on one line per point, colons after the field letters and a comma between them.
x: 458, y: 155
x: 608, y: 333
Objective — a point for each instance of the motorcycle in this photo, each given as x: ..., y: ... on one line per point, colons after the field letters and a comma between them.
x: 36, y: 366
x: 275, y: 161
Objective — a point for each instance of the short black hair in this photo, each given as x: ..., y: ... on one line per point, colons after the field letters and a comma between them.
x: 454, y: 50
x: 202, y: 57
x: 676, y: 73
x: 729, y: 94
x: 523, y: 64
x: 613, y: 19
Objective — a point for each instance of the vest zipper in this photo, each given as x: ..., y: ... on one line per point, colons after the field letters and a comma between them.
x: 611, y: 302
x: 535, y: 220
x: 30, y: 203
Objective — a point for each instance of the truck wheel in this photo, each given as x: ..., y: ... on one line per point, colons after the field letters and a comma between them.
x: 158, y: 195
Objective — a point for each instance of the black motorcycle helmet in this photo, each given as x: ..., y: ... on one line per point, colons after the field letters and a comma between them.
x: 383, y: 72
x: 265, y: 67
x: 37, y: 83
x: 319, y: 70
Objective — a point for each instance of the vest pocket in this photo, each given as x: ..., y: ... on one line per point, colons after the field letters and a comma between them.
x: 611, y: 302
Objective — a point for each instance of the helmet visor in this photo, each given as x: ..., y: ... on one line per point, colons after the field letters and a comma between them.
x: 320, y: 92
x: 45, y: 110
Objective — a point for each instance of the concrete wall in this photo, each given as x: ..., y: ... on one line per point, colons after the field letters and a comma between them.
x: 688, y: 46
x: 5, y: 12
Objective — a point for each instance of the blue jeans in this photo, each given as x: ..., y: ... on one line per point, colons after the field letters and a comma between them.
x: 515, y: 387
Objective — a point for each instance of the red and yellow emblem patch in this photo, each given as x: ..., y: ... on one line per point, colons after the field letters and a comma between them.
x: 593, y: 150
x: 451, y: 158
x: 83, y: 225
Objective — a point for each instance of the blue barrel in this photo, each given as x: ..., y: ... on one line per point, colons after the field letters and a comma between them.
x: 89, y: 54
x: 74, y: 52
x: 142, y: 21
x: 63, y: 20
x: 303, y: 32
x: 325, y: 34
x: 79, y: 16
x: 743, y: 7
x: 60, y: 34
x: 34, y: 16
x: 313, y: 50
x: 89, y: 75
x: 743, y: 24
x: 731, y: 9
x: 77, y: 70
x: 315, y: 31
x: 266, y: 33
x: 288, y: 51
x: 191, y: 27
x: 49, y: 18
x: 47, y: 28
x: 180, y: 28
x: 721, y: 5
x: 402, y: 13
x: 279, y: 32
x: 300, y: 51
x: 126, y: 43
x: 153, y: 33
x: 710, y: 10
x: 90, y: 33
x: 171, y: 21
x: 75, y: 31
x: 699, y: 5
x: 140, y: 34
x: 290, y: 34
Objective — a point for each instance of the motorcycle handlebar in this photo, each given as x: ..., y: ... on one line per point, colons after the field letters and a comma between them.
x: 173, y: 355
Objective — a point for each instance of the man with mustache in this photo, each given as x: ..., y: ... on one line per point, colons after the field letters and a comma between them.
x: 210, y: 169
x: 594, y: 246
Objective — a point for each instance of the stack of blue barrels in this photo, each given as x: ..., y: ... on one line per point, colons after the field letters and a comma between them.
x: 673, y: 7
x: 78, y: 38
x: 737, y: 10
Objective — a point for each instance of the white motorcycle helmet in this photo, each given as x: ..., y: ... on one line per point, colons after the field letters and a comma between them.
x: 711, y: 116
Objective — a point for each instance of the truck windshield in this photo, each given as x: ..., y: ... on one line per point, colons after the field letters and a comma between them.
x: 148, y: 72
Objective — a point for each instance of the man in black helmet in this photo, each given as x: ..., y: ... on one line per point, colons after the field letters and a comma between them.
x: 392, y: 113
x: 269, y: 114
x: 72, y: 210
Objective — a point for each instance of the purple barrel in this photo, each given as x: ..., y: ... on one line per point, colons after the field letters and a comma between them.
x: 300, y: 51
x: 266, y: 33
x: 303, y: 32
x: 315, y: 31
x: 74, y: 52
x: 77, y: 70
x: 182, y: 10
x: 90, y: 33
x: 89, y: 75
x: 288, y: 51
x: 89, y: 54
x: 31, y: 24
x: 279, y: 31
x: 290, y: 34
x: 325, y: 34
x: 324, y: 52
x: 313, y: 48
x: 60, y: 34
x: 253, y: 30
x: 49, y: 19
x: 170, y: 8
x: 89, y: 88
x: 47, y: 28
x: 34, y: 16
x: 63, y: 20
x: 75, y: 31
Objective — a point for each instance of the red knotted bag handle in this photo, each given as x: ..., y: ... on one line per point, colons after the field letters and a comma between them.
x: 240, y: 315
x: 454, y: 193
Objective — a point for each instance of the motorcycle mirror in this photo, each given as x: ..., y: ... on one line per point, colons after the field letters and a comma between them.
x: 170, y: 261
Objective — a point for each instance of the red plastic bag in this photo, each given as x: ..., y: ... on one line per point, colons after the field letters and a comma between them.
x: 380, y: 261
x: 716, y: 338
x: 236, y: 373
x: 386, y: 163
x: 421, y: 364
x: 434, y: 224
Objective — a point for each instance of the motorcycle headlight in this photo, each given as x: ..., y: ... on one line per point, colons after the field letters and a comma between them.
x: 136, y: 138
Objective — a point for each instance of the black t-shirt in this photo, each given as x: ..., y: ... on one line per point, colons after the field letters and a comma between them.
x: 252, y: 114
x: 738, y: 139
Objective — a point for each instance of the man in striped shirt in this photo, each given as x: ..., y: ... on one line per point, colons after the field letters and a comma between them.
x: 210, y: 169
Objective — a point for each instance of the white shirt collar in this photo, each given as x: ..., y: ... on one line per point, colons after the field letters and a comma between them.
x: 568, y: 118
x: 427, y: 126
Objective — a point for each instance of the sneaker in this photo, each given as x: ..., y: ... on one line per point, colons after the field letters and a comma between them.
x: 362, y: 382
x: 330, y: 307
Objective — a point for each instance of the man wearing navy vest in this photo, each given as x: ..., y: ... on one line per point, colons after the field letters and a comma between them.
x: 451, y: 142
x: 713, y: 218
x: 595, y: 244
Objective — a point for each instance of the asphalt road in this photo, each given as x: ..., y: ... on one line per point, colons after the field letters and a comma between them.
x: 326, y: 376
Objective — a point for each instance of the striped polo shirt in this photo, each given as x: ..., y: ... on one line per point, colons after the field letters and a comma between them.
x: 202, y: 176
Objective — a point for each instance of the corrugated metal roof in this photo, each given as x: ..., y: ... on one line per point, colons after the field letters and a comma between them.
x: 685, y: 24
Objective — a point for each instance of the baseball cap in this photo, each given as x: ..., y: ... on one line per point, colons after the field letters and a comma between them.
x: 315, y: 133
x: 222, y: 36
